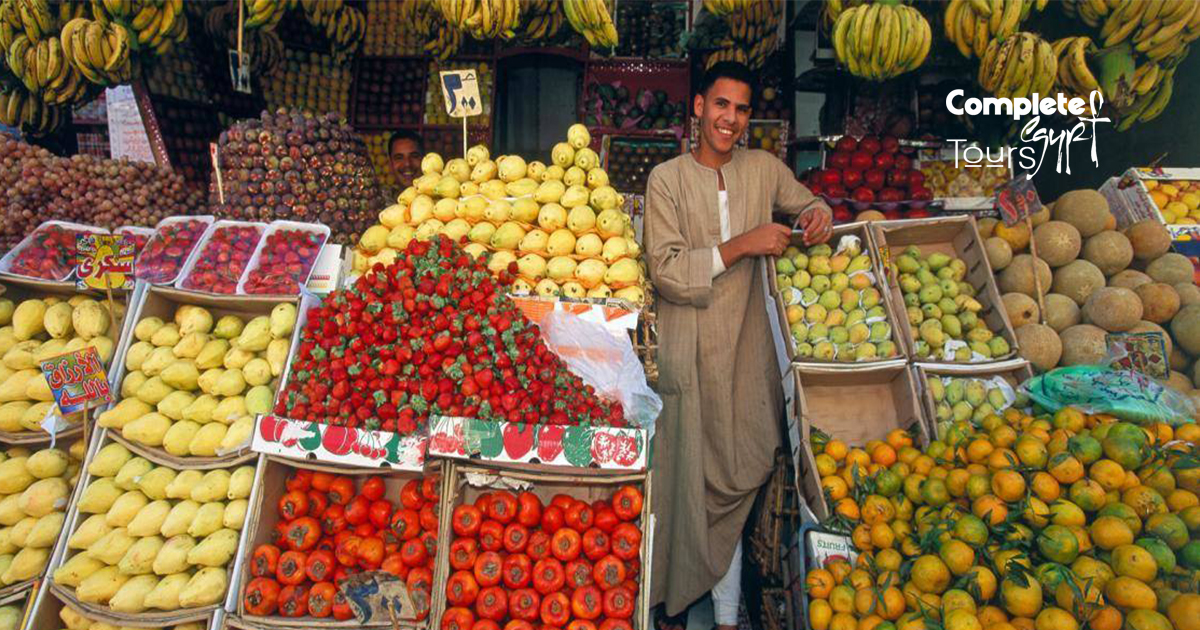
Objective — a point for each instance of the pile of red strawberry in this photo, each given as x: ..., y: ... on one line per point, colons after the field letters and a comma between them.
x: 330, y: 529
x: 434, y: 334
x: 519, y: 565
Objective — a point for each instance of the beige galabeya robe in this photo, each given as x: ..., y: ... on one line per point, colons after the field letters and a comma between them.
x: 718, y: 375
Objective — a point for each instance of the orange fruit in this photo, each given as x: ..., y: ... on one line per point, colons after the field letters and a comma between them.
x: 1135, y: 562
x: 923, y: 464
x: 1070, y: 419
x: 934, y: 492
x: 1064, y: 512
x: 1064, y: 594
x: 848, y: 508
x: 1037, y: 513
x: 840, y: 569
x: 861, y: 537
x: 1055, y: 619
x: 979, y: 449
x: 1180, y: 500
x: 1188, y: 432
x: 1168, y: 528
x: 898, y: 438
x: 1110, y: 532
x: 859, y: 578
x: 836, y: 449
x: 841, y: 598
x: 1125, y: 513
x: 870, y: 622
x: 843, y: 621
x: 960, y: 619
x: 1003, y: 436
x: 1144, y: 500
x: 835, y: 487
x: 1001, y: 459
x: 1126, y: 592
x: 1109, y: 474
x: 819, y: 582
x: 930, y: 574
x: 1058, y: 544
x: 1009, y: 485
x: 982, y: 581
x: 1087, y: 568
x: 877, y: 509
x: 1147, y: 620
x: 1021, y: 601
x: 826, y: 465
x: 992, y: 617
x: 888, y: 560
x: 884, y: 455
x: 971, y: 529
x: 1106, y: 618
x: 957, y: 555
x: 1087, y: 494
x: 882, y: 536
x: 1031, y: 451
x: 864, y: 601
x: 819, y: 614
x: 1065, y: 468
x: 1184, y: 611
x: 978, y: 485
x: 1045, y: 486
x: 990, y: 508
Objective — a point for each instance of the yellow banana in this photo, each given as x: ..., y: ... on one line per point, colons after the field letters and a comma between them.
x: 1160, y: 99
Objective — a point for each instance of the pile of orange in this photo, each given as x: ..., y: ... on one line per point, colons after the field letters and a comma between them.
x: 1054, y: 522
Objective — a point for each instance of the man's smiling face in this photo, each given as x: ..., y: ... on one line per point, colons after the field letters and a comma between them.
x: 724, y: 113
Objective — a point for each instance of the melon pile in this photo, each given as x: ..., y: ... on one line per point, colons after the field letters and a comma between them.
x: 1096, y: 279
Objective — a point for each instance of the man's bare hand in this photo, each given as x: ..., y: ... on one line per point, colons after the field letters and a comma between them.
x: 765, y: 240
x: 817, y: 222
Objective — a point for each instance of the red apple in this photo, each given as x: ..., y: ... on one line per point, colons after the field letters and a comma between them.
x: 890, y: 194
x: 853, y: 178
x: 889, y: 144
x: 865, y: 195
x: 897, y: 178
x: 861, y: 160
x: 893, y: 215
x: 815, y: 188
x: 884, y: 160
x: 902, y: 161
x: 839, y: 159
x: 920, y: 193
x: 915, y: 178
x: 918, y: 213
x: 874, y: 179
x: 869, y: 144
x: 836, y: 191
x: 847, y: 144
x: 829, y: 176
x: 842, y: 214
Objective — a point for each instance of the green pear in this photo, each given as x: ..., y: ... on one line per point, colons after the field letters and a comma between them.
x: 931, y: 311
x: 886, y: 348
x: 975, y: 393
x: 946, y: 305
x: 870, y: 297
x: 800, y: 261
x: 865, y: 352
x: 850, y: 299
x: 784, y: 282
x: 949, y: 288
x: 880, y: 332
x: 921, y: 349
x: 969, y: 320
x: 931, y: 331
x: 830, y: 300
x: 801, y: 279
x: 937, y: 389
x: 951, y: 326
x: 943, y: 413
x: 839, y: 281
x: 859, y: 333
x: 982, y: 411
x: 818, y: 332
x: 915, y: 316
x: 962, y: 411
x: 995, y: 398
x: 820, y: 249
x: 980, y: 334
x: 784, y: 266
x: 945, y: 274
x: 855, y: 316
x: 926, y: 277
x: 981, y: 349
x: 820, y: 283
x: 911, y: 299
x: 955, y: 391
x: 800, y: 332
x: 907, y: 264
x: 845, y: 351
x: 999, y: 346
x: 930, y: 294
x: 962, y: 355
x: 804, y: 350
x: 876, y: 312
x: 839, y: 334
x: 909, y: 283
x: 937, y: 260
x: 823, y: 351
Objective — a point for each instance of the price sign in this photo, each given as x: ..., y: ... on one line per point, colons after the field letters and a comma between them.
x: 104, y: 261
x: 460, y: 91
x: 1140, y: 352
x: 77, y: 380
x: 377, y: 596
x: 1017, y: 199
x: 239, y: 71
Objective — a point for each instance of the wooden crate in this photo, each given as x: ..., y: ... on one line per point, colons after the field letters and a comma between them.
x: 853, y: 406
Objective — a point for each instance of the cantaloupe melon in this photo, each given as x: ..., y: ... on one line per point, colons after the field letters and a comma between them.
x: 1185, y: 329
x: 1149, y: 239
x: 1112, y: 308
x: 1083, y: 344
x: 987, y: 226
x: 1129, y: 279
x: 1039, y: 345
x: 1018, y: 276
x: 1017, y: 235
x: 1110, y: 251
x: 1188, y: 293
x: 1078, y: 280
x: 999, y: 253
x: 1171, y: 268
x: 1086, y: 209
x: 1160, y: 302
x: 1061, y: 311
x: 1058, y: 242
x: 1021, y: 309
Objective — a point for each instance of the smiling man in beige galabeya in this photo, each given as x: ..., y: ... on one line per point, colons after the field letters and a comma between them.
x: 708, y: 229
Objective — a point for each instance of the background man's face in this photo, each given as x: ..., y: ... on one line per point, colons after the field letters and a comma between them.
x: 724, y: 113
x: 406, y: 162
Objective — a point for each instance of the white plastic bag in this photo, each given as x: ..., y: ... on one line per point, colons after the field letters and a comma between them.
x: 605, y: 361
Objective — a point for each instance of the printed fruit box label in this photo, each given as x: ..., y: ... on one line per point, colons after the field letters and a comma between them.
x: 556, y: 445
x: 615, y: 316
x: 338, y: 445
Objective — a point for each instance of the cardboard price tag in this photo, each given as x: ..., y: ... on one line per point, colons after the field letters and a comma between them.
x: 77, y: 380
x: 1017, y: 199
x: 460, y: 91
x: 377, y: 597
x: 104, y: 261
x: 239, y: 71
x: 1140, y: 352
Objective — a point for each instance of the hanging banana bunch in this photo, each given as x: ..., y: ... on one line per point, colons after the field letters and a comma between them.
x: 593, y: 20
x: 723, y: 8
x: 756, y: 29
x: 1148, y: 105
x: 482, y: 19
x: 347, y: 30
x: 833, y: 8
x: 19, y: 108
x: 1018, y: 66
x: 442, y: 40
x: 101, y: 53
x: 728, y: 52
x: 543, y: 19
x: 264, y: 46
x: 880, y: 41
x: 1158, y: 29
x: 973, y: 24
x: 264, y: 14
x: 1074, y: 76
x: 1090, y: 12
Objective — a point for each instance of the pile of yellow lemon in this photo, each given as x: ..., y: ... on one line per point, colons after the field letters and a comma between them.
x: 1177, y: 201
x: 1048, y: 523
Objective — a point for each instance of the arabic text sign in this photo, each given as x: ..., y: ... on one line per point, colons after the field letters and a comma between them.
x: 1017, y: 199
x: 100, y: 255
x: 460, y: 89
x: 77, y: 379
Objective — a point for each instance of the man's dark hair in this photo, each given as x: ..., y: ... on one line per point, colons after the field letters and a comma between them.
x: 405, y: 134
x: 735, y: 70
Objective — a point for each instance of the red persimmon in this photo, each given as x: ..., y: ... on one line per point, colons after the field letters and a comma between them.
x: 462, y: 589
x: 293, y: 601
x: 491, y: 536
x: 626, y: 541
x: 320, y: 566
x: 516, y: 537
x: 565, y: 544
x: 290, y: 569
x: 548, y: 576
x: 503, y: 507
x: 463, y: 552
x: 618, y: 603
x: 489, y: 568
x: 556, y: 609
x: 609, y: 572
x: 293, y: 504
x: 587, y: 602
x: 262, y: 596
x: 492, y: 603
x: 517, y: 571
x: 320, y: 599
x: 524, y: 604
x: 458, y: 618
x: 264, y: 561
x: 466, y: 520
x: 627, y: 503
x: 529, y: 509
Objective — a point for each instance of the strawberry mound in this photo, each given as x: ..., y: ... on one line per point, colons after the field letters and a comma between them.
x: 434, y: 334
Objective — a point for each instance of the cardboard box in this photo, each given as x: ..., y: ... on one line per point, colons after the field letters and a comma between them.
x: 464, y: 483
x: 854, y: 406
x: 264, y: 516
x: 858, y: 230
x: 162, y: 302
x: 1129, y: 201
x: 556, y: 445
x: 954, y: 236
x: 46, y: 607
x: 149, y: 618
x: 1012, y: 372
x: 17, y: 289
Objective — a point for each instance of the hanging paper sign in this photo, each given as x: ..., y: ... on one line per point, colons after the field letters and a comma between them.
x: 460, y: 90
x: 299, y: 439
x: 1140, y: 352
x: 239, y: 71
x: 104, y: 261
x: 552, y: 444
x: 375, y: 596
x: 1017, y: 199
x: 77, y: 380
